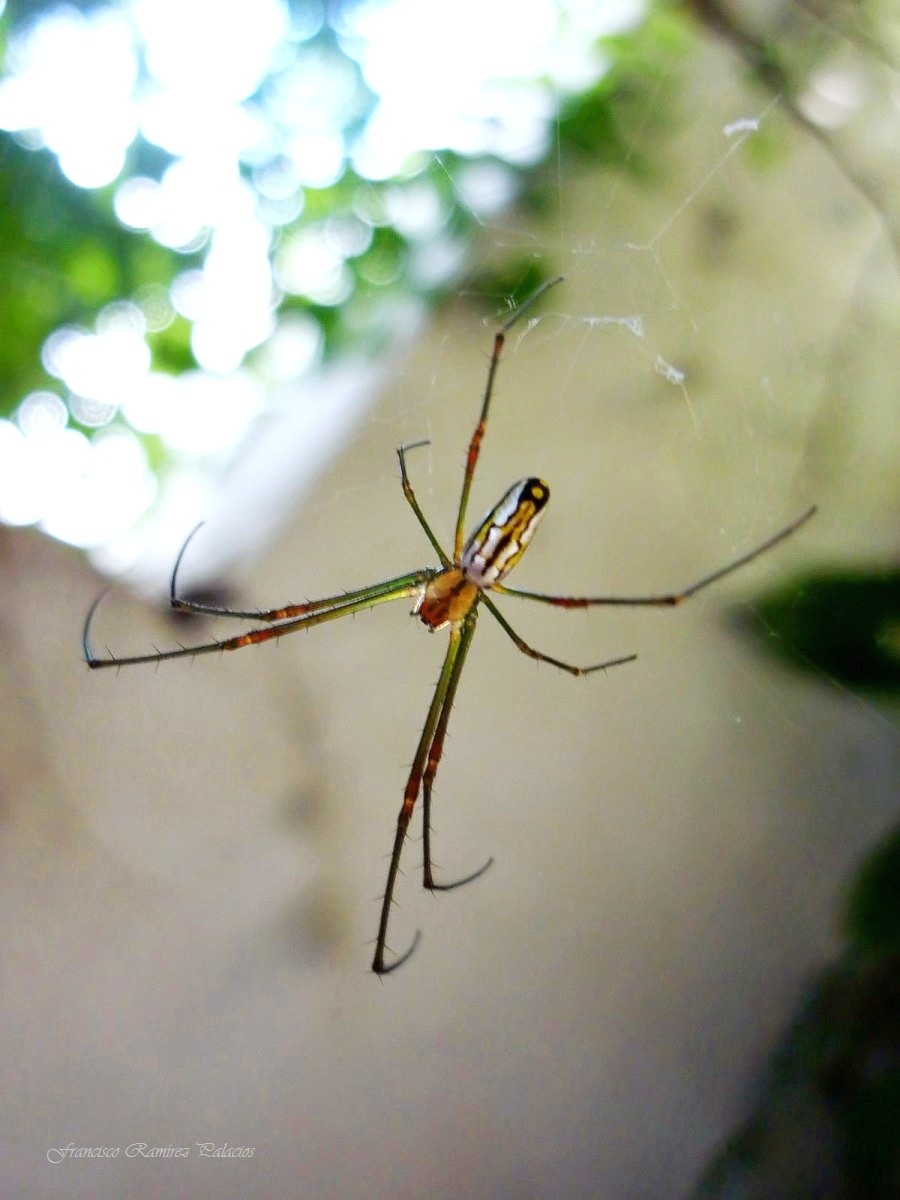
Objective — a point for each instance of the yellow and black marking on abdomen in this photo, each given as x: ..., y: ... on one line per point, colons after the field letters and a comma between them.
x: 503, y: 536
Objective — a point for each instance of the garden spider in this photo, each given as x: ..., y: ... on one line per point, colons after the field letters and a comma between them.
x: 448, y: 595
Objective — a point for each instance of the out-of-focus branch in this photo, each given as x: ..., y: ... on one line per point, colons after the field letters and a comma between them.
x: 762, y: 58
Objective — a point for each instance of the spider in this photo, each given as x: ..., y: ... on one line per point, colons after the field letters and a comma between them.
x: 448, y: 596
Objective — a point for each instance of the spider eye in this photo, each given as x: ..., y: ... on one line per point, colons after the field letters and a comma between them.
x: 503, y: 536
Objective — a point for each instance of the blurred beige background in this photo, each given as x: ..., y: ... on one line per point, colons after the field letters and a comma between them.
x: 193, y: 855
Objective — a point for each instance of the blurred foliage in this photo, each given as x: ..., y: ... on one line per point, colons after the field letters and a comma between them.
x: 872, y: 913
x: 828, y: 1125
x: 783, y: 45
x: 828, y: 1120
x: 65, y: 255
x: 845, y: 625
x: 601, y: 124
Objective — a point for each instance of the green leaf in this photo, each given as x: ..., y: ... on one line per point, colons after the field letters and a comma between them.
x: 844, y: 624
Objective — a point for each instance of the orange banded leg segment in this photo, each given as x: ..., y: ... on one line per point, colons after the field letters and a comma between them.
x: 306, y: 608
x: 478, y: 435
x: 378, y: 964
x: 393, y: 589
x: 269, y: 615
x: 411, y: 792
x: 435, y: 753
x: 667, y: 599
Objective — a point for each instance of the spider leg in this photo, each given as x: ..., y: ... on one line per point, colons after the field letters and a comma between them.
x: 458, y: 634
x: 182, y: 604
x: 668, y: 599
x: 478, y: 433
x: 522, y: 645
x: 435, y: 751
x: 413, y: 502
x: 393, y: 589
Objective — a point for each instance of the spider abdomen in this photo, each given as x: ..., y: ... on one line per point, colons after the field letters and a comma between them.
x: 503, y: 536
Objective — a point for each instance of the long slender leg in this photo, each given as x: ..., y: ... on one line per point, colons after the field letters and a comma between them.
x: 306, y: 608
x: 435, y: 751
x: 182, y: 604
x: 478, y: 434
x: 410, y: 794
x: 396, y: 589
x: 536, y: 654
x: 668, y: 599
x: 413, y: 502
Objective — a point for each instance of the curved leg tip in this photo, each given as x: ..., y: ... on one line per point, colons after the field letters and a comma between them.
x: 89, y: 657
x: 176, y: 602
x: 380, y: 967
x: 449, y: 887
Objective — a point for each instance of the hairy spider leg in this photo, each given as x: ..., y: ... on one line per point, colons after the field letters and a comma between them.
x: 522, y: 645
x: 435, y: 751
x: 478, y: 433
x: 460, y: 635
x: 270, y: 615
x: 351, y: 602
x: 668, y: 599
x: 413, y: 502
